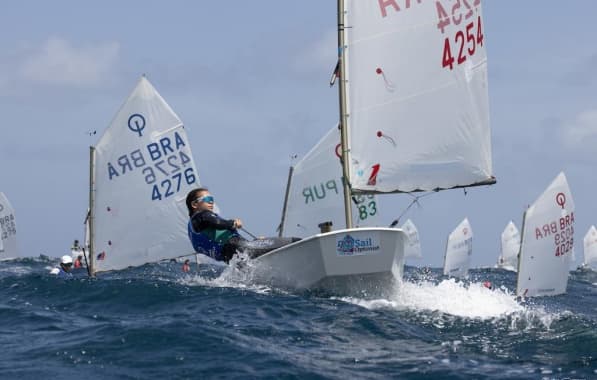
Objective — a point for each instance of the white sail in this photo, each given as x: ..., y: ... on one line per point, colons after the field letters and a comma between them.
x: 417, y: 96
x: 459, y: 250
x: 144, y: 169
x: 510, y: 245
x: 590, y: 248
x: 547, y: 242
x: 315, y: 192
x: 8, y: 230
x: 412, y: 249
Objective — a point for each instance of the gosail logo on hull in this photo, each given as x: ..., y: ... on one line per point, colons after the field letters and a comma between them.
x: 349, y: 246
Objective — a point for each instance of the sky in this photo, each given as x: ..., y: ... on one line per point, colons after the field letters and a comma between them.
x: 249, y: 79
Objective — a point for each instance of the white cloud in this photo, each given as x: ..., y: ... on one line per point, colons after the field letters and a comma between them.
x: 581, y: 134
x: 58, y: 62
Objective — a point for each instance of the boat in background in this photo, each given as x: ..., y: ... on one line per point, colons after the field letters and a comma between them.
x: 510, y: 246
x: 547, y: 242
x: 459, y: 248
x: 140, y: 173
x: 412, y: 250
x: 590, y: 249
x: 8, y: 230
x: 314, y: 192
x: 414, y: 116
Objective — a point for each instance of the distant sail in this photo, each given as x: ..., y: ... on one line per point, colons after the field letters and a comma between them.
x: 417, y: 97
x: 8, y: 230
x: 316, y: 194
x: 459, y: 250
x: 547, y: 242
x: 509, y: 248
x: 144, y: 169
x: 412, y: 249
x: 590, y: 245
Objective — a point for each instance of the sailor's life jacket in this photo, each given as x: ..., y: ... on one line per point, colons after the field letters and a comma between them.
x: 204, y: 243
x: 222, y: 244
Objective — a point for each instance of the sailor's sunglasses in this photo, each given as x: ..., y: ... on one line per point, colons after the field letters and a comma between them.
x: 206, y: 199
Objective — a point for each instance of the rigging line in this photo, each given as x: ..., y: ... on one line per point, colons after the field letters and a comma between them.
x: 248, y: 233
x: 414, y: 201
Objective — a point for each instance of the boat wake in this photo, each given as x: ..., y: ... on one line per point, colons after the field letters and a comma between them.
x: 450, y: 300
x: 450, y: 296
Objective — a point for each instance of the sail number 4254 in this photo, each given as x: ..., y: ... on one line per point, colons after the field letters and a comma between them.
x: 464, y: 43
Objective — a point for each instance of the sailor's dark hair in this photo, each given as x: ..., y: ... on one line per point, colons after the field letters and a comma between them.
x: 191, y: 196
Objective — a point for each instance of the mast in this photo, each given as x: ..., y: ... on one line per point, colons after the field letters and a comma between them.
x: 343, y: 117
x: 285, y: 207
x: 91, y: 211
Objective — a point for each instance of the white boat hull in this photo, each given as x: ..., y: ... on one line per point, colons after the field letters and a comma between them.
x: 363, y: 259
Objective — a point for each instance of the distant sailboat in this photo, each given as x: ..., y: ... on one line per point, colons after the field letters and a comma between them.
x: 412, y: 249
x: 140, y: 173
x: 590, y: 248
x: 459, y: 249
x: 314, y: 193
x: 547, y: 242
x: 414, y: 116
x: 510, y: 245
x: 8, y: 230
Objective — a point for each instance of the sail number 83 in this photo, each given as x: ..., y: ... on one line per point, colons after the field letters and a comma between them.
x: 366, y: 206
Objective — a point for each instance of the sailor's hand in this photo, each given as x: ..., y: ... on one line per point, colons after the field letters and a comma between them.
x: 238, y: 223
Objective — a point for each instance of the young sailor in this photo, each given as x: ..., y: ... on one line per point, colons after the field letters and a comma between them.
x: 66, y: 264
x: 217, y: 237
x: 186, y: 267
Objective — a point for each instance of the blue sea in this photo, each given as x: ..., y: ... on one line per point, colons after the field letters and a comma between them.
x: 156, y: 322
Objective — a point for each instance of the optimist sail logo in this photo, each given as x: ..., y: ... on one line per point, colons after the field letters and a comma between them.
x: 561, y: 200
x: 349, y: 246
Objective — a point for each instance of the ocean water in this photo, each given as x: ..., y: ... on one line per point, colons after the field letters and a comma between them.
x: 156, y: 322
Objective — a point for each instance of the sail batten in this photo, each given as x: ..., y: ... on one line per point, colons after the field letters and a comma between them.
x: 487, y: 182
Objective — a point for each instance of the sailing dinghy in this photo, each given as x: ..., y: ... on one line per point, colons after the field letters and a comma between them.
x: 459, y: 249
x: 8, y: 230
x: 510, y: 245
x: 140, y: 173
x: 414, y: 116
x: 547, y: 242
x: 590, y: 249
x: 412, y: 249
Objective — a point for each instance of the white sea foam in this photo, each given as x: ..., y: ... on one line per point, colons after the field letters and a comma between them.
x: 452, y: 297
x: 230, y: 277
x: 18, y: 270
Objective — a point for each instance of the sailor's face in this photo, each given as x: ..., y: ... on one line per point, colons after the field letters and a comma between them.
x: 204, y: 201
